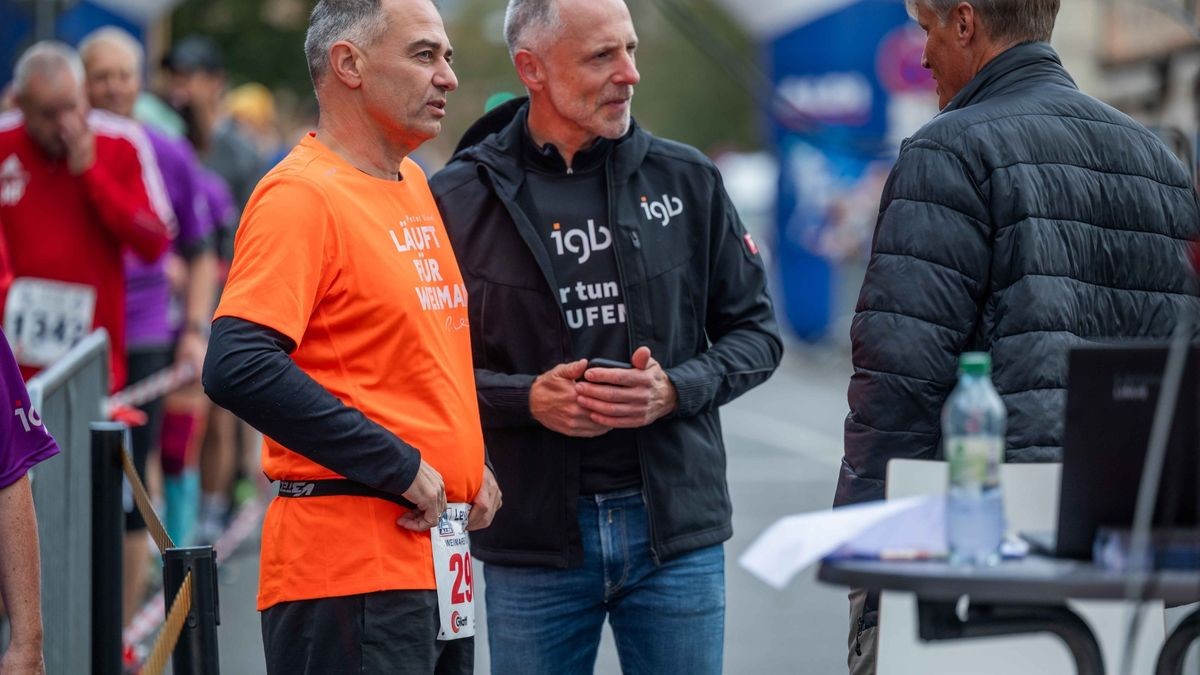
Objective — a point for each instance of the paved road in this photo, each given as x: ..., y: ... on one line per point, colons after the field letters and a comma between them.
x: 784, y: 443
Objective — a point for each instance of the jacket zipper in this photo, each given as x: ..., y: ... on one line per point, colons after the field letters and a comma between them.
x: 862, y: 619
x: 517, y: 218
x: 612, y: 222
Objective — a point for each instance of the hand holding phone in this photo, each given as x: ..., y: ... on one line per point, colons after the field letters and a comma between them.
x: 607, y: 363
x: 628, y: 395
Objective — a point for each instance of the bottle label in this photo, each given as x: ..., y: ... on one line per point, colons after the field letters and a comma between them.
x: 974, y: 460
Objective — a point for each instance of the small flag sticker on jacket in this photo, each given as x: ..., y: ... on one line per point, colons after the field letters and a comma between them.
x: 750, y: 245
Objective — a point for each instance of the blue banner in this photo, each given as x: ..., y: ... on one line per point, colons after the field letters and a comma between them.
x: 846, y: 84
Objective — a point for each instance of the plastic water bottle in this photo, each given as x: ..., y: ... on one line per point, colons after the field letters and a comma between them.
x: 973, y: 422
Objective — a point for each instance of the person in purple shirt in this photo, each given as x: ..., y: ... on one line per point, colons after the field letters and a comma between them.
x: 113, y: 60
x: 226, y: 438
x: 24, y: 442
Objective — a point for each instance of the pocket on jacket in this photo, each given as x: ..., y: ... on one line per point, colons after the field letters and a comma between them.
x: 676, y: 323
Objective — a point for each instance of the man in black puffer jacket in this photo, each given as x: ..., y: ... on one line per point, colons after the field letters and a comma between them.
x: 1025, y: 219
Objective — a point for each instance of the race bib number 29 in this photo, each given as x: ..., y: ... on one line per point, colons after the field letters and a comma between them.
x: 452, y: 570
x: 43, y: 318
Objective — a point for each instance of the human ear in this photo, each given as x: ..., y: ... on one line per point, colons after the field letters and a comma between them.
x: 529, y: 69
x: 963, y: 19
x: 345, y: 63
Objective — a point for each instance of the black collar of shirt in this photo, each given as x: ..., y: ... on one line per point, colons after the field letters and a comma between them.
x: 547, y: 159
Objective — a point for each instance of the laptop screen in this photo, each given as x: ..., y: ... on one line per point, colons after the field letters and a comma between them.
x: 1112, y: 393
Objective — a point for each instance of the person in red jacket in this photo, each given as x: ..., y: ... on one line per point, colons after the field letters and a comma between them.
x: 76, y: 188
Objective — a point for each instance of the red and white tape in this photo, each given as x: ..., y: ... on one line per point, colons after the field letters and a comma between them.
x: 151, y: 615
x: 151, y: 388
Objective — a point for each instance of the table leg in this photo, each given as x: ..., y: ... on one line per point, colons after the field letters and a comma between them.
x: 939, y: 621
x: 1170, y: 657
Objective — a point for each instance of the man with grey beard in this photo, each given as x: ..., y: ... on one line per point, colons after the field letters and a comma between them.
x: 615, y: 302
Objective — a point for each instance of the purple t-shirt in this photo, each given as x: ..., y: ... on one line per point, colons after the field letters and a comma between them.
x: 225, y: 216
x: 147, y: 295
x: 23, y: 440
x: 221, y: 205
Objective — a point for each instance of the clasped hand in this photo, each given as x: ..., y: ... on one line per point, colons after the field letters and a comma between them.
x: 577, y: 401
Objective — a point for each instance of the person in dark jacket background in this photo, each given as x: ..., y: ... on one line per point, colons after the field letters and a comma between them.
x: 1025, y: 219
x: 581, y: 236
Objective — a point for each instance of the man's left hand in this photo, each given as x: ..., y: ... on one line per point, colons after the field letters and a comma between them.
x: 487, y: 503
x: 627, y: 398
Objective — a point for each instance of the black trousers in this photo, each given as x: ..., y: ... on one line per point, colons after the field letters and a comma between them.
x: 392, y: 632
x: 142, y: 362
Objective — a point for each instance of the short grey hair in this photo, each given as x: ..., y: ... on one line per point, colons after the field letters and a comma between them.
x: 358, y: 21
x: 114, y: 36
x: 527, y: 22
x: 1006, y: 21
x: 46, y: 58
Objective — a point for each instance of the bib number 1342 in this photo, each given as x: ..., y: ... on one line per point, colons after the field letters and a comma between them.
x: 44, y: 318
x: 452, y: 570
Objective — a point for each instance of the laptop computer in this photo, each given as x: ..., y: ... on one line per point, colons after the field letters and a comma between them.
x: 1112, y: 393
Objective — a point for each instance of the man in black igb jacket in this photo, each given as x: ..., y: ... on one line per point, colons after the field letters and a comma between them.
x: 583, y: 237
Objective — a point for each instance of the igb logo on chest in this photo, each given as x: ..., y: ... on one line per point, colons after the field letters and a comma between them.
x: 577, y: 240
x: 662, y: 210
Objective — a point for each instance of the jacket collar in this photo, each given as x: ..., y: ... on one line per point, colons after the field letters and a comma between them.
x: 1014, y: 68
x: 495, y: 140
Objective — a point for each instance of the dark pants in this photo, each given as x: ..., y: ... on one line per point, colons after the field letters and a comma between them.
x: 864, y: 632
x: 142, y: 362
x: 384, y: 632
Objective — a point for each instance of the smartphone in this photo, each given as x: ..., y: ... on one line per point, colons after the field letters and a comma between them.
x: 604, y: 363
x: 607, y: 363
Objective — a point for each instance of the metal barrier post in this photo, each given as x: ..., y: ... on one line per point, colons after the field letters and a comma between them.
x: 108, y: 539
x: 196, y: 651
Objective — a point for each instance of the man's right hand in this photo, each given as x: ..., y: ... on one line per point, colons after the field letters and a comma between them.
x: 428, y: 492
x: 554, y: 402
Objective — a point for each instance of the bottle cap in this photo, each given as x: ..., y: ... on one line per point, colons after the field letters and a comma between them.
x: 975, y: 363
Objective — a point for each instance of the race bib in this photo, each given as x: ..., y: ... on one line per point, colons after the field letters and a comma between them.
x: 452, y: 569
x: 43, y: 319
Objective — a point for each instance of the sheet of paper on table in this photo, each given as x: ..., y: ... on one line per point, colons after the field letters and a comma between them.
x: 911, y: 528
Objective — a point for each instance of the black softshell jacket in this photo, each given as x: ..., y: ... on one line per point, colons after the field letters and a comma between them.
x: 695, y: 293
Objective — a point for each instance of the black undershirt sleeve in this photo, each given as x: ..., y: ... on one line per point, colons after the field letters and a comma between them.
x: 248, y: 372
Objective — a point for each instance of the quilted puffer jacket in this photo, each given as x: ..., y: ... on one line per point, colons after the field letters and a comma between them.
x: 1025, y: 219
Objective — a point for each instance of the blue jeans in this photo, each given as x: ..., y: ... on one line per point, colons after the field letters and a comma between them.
x: 667, y: 618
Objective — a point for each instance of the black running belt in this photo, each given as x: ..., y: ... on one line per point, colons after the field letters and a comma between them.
x: 339, y: 487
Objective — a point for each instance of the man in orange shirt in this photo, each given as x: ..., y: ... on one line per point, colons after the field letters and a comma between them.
x: 342, y: 336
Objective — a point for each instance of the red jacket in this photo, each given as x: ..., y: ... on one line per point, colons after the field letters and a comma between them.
x: 69, y: 228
